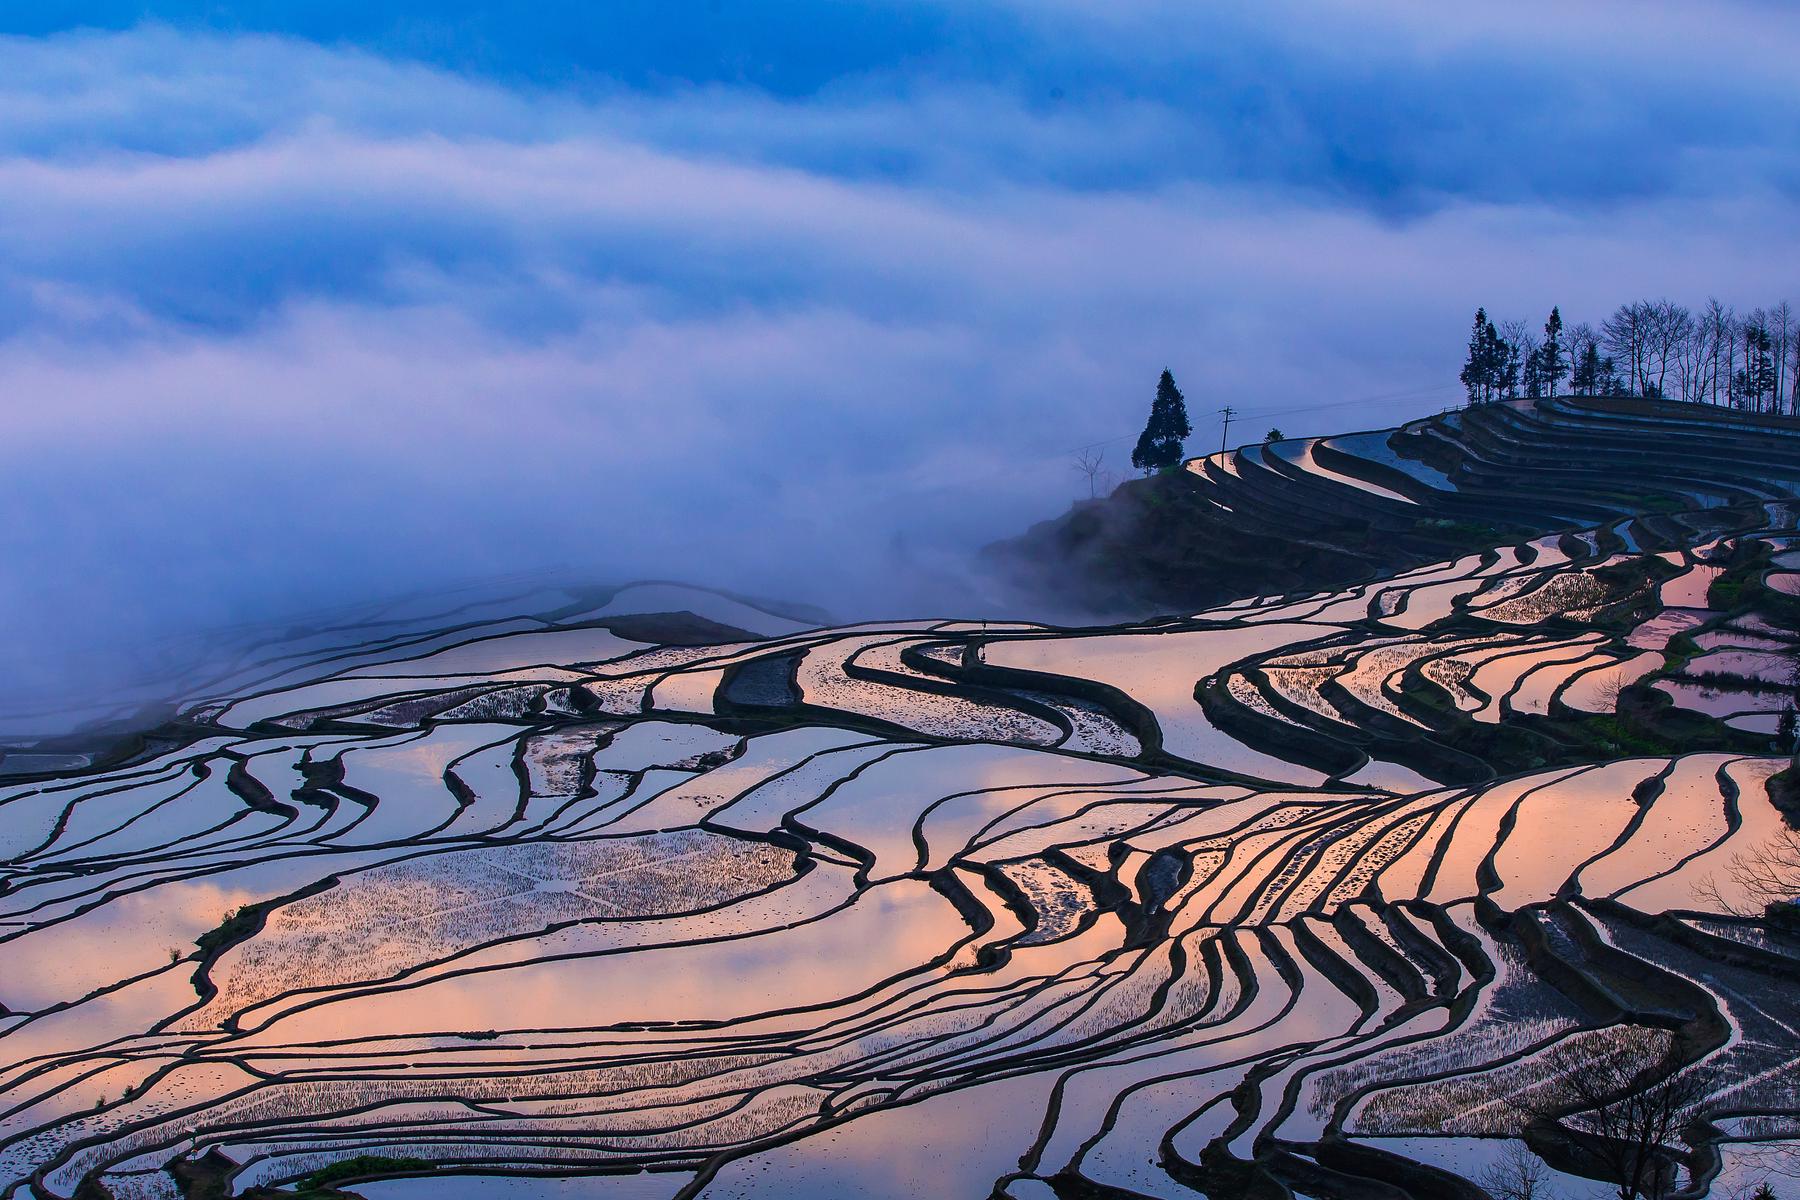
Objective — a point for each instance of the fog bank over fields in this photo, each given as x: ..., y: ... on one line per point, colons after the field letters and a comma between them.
x: 293, y: 318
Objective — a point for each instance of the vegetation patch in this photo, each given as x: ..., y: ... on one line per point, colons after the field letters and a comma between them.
x: 365, y: 1166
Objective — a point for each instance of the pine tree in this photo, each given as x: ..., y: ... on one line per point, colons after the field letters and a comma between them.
x: 1503, y: 365
x: 1144, y: 451
x: 1492, y: 370
x: 1476, y: 372
x: 1534, y: 374
x: 1160, y: 445
x: 1586, y: 371
x: 1757, y: 379
x: 1764, y: 366
x: 1607, y: 380
x: 1763, y: 1192
x: 1553, y: 364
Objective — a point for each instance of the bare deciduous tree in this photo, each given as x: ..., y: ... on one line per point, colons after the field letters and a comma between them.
x: 1583, y: 339
x: 1747, y: 383
x: 1783, y: 334
x: 1517, y: 1174
x: 1764, y: 876
x: 1622, y: 1109
x: 1691, y: 362
x: 1088, y: 461
x: 1652, y: 348
x: 1626, y: 336
x: 1720, y: 325
x: 1668, y: 326
x: 1521, y: 346
x: 1794, y: 370
x: 1610, y: 690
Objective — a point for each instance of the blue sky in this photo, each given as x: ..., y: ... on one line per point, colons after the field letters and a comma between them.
x: 304, y: 301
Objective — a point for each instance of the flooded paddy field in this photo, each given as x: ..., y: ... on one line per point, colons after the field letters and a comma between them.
x: 1277, y: 894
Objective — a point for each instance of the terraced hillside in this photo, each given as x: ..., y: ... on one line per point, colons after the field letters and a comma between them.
x: 1310, y: 894
x: 1324, y: 512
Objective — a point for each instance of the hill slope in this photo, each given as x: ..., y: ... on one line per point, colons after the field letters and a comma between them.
x: 1322, y: 895
x: 1323, y: 512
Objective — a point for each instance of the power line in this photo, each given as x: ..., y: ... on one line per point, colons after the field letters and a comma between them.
x: 1227, y: 412
x: 1414, y: 393
x: 1408, y: 395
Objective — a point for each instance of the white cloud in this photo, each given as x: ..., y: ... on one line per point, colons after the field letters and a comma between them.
x: 379, y: 325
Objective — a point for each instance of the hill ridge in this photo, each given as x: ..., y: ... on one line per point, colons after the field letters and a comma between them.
x: 1323, y: 512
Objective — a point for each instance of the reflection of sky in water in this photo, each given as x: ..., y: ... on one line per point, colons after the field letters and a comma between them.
x: 665, y: 983
x: 644, y: 1186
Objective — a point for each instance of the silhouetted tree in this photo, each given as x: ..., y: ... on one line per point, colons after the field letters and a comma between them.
x: 1782, y: 335
x: 1718, y: 322
x: 1767, y: 879
x: 1608, y: 381
x: 1474, y: 372
x: 1668, y: 329
x: 1518, y: 348
x: 1584, y: 359
x: 1087, y: 462
x: 1534, y: 382
x: 1594, y: 374
x: 1553, y: 360
x: 1517, y: 1174
x: 1791, y: 342
x: 1622, y: 1108
x: 1626, y: 337
x: 1274, y: 435
x: 1160, y: 445
x: 1755, y: 384
x: 1690, y: 359
x: 1485, y: 372
x: 1587, y: 364
x: 1650, y: 348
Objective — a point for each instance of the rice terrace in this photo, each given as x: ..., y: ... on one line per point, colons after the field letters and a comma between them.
x: 621, y: 602
x: 1322, y: 890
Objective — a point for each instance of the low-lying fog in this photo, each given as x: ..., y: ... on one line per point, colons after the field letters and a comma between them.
x: 286, y: 326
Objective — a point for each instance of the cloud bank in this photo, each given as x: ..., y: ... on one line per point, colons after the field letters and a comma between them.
x: 293, y: 315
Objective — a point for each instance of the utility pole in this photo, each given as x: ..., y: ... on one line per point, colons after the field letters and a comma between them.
x: 1227, y: 412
